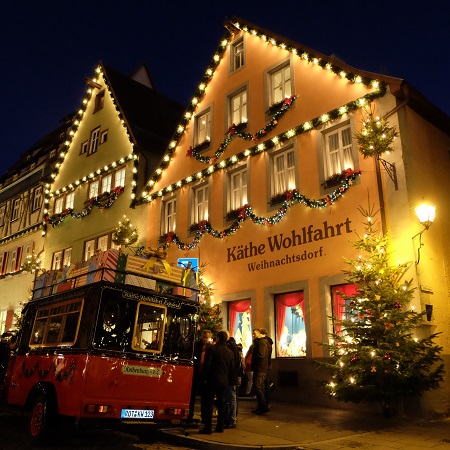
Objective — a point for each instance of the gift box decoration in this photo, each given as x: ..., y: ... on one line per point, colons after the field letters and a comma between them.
x: 107, y: 261
x: 143, y: 282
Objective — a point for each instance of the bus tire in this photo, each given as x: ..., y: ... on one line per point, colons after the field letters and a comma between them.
x: 40, y: 419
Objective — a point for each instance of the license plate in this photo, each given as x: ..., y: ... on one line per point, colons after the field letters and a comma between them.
x: 137, y: 414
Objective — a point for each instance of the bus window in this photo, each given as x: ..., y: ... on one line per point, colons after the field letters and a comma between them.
x: 57, y: 325
x: 149, y: 327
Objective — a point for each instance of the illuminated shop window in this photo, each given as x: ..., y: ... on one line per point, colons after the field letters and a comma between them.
x: 240, y: 322
x: 338, y: 303
x: 290, y: 324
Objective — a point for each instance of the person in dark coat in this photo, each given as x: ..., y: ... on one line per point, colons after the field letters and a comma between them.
x: 231, y: 398
x: 260, y: 366
x: 268, y: 382
x: 198, y: 379
x: 219, y: 364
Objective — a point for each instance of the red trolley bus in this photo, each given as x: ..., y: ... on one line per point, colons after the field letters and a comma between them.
x: 102, y: 352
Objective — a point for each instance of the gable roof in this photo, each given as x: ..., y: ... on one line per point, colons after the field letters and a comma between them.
x: 374, y: 81
x: 149, y: 116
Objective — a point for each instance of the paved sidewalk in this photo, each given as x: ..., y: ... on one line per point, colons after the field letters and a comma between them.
x: 289, y: 426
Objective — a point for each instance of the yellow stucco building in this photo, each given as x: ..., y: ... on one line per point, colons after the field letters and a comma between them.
x: 246, y: 187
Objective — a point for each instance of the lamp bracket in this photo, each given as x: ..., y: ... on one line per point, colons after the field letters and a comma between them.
x: 391, y: 171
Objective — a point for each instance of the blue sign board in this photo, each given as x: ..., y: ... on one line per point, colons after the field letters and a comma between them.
x: 184, y: 262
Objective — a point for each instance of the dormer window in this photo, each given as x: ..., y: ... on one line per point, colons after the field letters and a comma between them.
x: 95, y: 137
x: 99, y: 101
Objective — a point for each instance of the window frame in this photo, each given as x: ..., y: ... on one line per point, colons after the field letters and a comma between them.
x: 91, y: 185
x: 99, y: 101
x: 196, y: 216
x: 109, y: 185
x: 168, y: 220
x: 58, y: 205
x: 2, y: 215
x: 103, y: 137
x: 237, y: 55
x: 84, y: 147
x: 15, y: 210
x: 55, y: 310
x: 94, y: 141
x: 272, y: 98
x: 69, y: 200
x: 326, y: 164
x: 230, y: 201
x: 272, y: 175
x: 37, y: 198
x: 243, y: 115
x: 122, y: 169
x: 197, y: 132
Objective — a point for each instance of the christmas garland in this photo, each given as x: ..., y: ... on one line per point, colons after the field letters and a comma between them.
x: 235, y: 131
x: 57, y: 219
x: 246, y: 212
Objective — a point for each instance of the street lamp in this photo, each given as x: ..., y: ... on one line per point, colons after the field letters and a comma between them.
x: 425, y: 213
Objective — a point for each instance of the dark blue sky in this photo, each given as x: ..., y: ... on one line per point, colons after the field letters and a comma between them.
x: 49, y: 46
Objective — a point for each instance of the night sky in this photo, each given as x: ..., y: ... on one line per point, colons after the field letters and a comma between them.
x: 49, y: 46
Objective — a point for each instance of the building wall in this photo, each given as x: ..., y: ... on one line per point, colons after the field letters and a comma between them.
x: 236, y: 264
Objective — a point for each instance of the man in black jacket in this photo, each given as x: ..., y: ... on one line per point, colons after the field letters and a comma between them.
x: 198, y: 379
x: 219, y: 364
x: 260, y: 366
x: 268, y: 382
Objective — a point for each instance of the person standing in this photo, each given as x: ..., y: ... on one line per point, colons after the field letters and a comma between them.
x: 260, y: 365
x: 248, y: 370
x: 219, y: 365
x: 268, y: 382
x: 231, y: 397
x: 198, y: 379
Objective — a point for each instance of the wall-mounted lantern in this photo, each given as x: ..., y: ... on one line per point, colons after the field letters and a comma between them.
x: 425, y: 213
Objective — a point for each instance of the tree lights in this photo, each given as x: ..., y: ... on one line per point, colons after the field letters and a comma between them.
x: 374, y: 355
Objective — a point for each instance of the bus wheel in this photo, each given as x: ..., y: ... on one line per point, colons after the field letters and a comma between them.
x: 39, y: 420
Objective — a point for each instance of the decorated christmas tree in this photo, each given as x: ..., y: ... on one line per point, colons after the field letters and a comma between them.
x: 125, y: 234
x: 375, y: 354
x: 209, y: 310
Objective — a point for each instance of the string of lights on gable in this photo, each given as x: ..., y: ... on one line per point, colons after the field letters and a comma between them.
x: 379, y: 91
x: 101, y: 171
x: 293, y: 197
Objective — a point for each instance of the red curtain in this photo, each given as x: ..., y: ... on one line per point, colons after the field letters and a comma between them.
x: 283, y: 300
x: 338, y: 302
x: 240, y: 306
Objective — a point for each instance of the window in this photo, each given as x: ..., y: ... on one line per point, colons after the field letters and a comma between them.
x: 240, y: 322
x: 104, y: 137
x: 237, y: 54
x: 149, y: 328
x: 62, y: 259
x: 99, y: 100
x: 37, y: 198
x: 69, y: 200
x: 290, y: 324
x: 169, y: 220
x: 93, y: 189
x: 202, y: 128
x: 120, y: 178
x: 14, y: 258
x: 283, y: 171
x: 338, y: 303
x: 338, y: 150
x: 57, y: 325
x: 84, y: 147
x: 280, y: 85
x: 238, y: 108
x: 67, y: 257
x: 89, y: 249
x: 106, y: 183
x: 200, y: 204
x: 238, y: 193
x: 2, y: 215
x: 95, y: 135
x: 102, y: 244
x: 56, y: 260
x: 15, y: 209
x: 58, y: 205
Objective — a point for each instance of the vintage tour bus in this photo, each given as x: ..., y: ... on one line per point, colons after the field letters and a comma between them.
x: 103, y: 352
